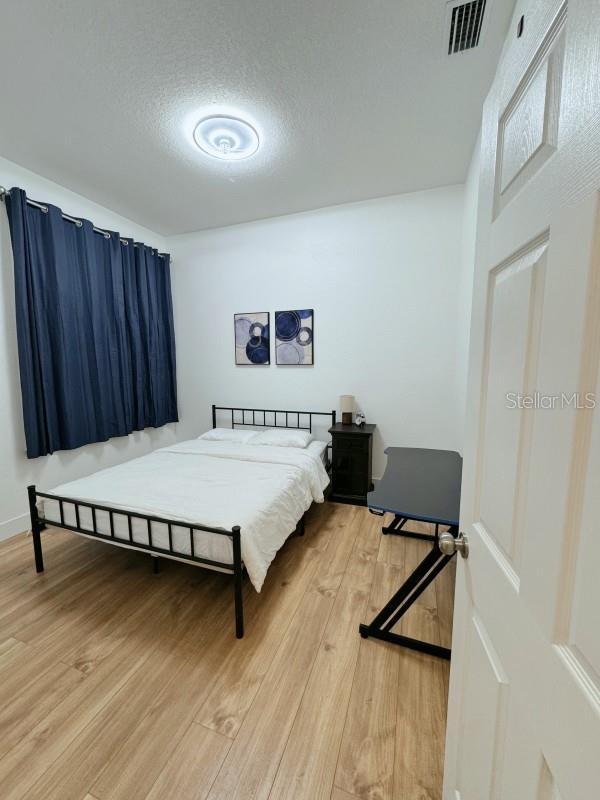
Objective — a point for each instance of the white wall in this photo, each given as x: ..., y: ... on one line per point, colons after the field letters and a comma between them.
x: 16, y: 471
x: 467, y: 272
x: 384, y: 279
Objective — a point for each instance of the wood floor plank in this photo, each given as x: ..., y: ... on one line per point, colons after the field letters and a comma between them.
x: 17, y: 557
x: 322, y: 522
x: 444, y: 601
x: 83, y: 760
x: 193, y: 766
x: 415, y: 552
x: 7, y: 645
x: 137, y: 613
x: 390, y: 547
x: 25, y: 763
x: 438, y: 598
x: 47, y: 599
x: 20, y: 667
x: 421, y: 727
x: 243, y: 670
x: 251, y: 764
x: 10, y: 649
x: 137, y: 764
x: 422, y: 698
x: 130, y: 774
x: 140, y: 603
x: 23, y: 541
x: 340, y: 794
x: 127, y: 571
x: 240, y: 676
x: 317, y: 517
x: 421, y: 620
x: 309, y: 760
x: 65, y: 557
x: 366, y: 762
x: 33, y: 701
x: 14, y: 542
x: 85, y: 632
x: 168, y: 722
x: 420, y: 778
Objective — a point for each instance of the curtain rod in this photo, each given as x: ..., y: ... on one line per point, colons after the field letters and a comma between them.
x: 78, y: 222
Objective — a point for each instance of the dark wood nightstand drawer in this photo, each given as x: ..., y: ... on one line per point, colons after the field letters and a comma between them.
x: 351, y: 443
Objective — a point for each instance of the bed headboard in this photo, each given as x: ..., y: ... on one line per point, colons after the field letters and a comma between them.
x: 270, y: 417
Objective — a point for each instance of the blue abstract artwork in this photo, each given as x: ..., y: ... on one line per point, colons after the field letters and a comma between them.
x: 252, y: 338
x: 294, y: 336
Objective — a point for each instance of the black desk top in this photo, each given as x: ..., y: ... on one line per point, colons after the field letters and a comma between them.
x: 420, y: 484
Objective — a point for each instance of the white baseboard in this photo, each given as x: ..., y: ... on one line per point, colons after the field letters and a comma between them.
x: 11, y: 527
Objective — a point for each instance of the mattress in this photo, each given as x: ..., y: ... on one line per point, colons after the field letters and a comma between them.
x: 263, y: 489
x: 320, y: 449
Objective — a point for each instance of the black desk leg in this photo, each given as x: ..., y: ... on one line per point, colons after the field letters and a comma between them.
x: 396, y: 527
x: 381, y: 626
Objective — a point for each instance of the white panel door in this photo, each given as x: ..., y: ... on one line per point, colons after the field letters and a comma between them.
x: 524, y: 709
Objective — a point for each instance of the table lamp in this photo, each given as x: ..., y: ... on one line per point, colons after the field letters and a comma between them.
x: 347, y: 404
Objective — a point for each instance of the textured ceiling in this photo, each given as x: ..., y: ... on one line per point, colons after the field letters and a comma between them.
x: 353, y: 99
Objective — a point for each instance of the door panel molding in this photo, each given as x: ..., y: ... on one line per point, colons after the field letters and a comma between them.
x: 583, y: 672
x: 528, y: 128
x: 498, y: 555
x: 488, y: 692
x: 547, y: 789
x: 516, y: 288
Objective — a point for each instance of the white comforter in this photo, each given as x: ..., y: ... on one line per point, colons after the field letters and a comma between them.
x: 265, y: 490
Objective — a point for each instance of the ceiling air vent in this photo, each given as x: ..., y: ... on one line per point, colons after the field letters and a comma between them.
x: 465, y: 26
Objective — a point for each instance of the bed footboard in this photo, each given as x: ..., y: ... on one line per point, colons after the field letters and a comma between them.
x: 38, y: 523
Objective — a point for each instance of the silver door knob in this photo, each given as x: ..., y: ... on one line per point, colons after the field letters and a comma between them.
x: 450, y: 544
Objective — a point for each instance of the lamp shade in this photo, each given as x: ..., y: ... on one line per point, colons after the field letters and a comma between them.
x: 347, y: 403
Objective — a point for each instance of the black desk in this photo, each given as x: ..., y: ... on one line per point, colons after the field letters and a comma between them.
x: 421, y: 485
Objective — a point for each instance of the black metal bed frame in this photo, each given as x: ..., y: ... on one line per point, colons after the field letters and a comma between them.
x: 235, y: 568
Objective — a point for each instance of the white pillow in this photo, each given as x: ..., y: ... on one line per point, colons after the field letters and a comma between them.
x: 227, y: 435
x: 282, y: 437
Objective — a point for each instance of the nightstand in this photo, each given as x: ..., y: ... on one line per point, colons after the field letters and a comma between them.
x: 351, y: 463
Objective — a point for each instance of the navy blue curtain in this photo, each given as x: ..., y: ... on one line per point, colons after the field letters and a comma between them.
x: 94, y: 328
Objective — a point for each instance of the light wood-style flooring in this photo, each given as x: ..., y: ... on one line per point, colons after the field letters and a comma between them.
x: 117, y: 684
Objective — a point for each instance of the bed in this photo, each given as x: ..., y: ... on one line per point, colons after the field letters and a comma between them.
x: 221, y: 503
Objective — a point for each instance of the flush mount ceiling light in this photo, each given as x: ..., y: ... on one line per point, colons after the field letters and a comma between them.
x: 228, y: 138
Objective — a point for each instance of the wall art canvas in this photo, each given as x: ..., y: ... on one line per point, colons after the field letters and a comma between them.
x: 294, y: 336
x: 252, y: 338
